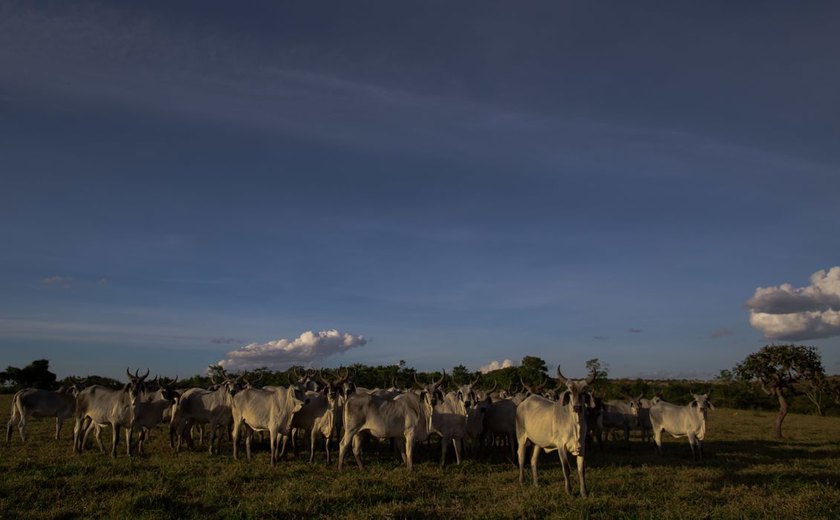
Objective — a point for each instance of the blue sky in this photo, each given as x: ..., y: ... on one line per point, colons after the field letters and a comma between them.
x: 457, y: 183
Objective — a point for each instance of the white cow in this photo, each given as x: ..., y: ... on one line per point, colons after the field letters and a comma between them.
x: 556, y: 425
x: 682, y: 421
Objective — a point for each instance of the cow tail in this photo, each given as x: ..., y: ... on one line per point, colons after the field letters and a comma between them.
x: 17, y: 414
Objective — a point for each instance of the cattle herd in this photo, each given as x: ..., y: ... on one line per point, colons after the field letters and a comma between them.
x: 329, y: 408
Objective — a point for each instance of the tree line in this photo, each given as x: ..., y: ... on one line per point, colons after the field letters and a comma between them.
x: 789, y: 378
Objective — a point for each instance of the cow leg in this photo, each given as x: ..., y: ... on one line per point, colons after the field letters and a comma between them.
x: 237, y: 430
x: 327, y: 448
x: 22, y: 427
x: 457, y: 445
x: 212, y: 435
x: 692, y: 442
x: 249, y: 438
x: 581, y: 467
x: 58, y: 422
x: 657, y: 438
x: 521, y: 458
x: 535, y: 455
x: 272, y: 439
x: 444, y: 445
x: 129, y: 432
x: 564, y: 462
x: 357, y: 450
x: 342, y: 447
x: 409, y: 450
x: 283, y: 450
x: 115, y: 440
x: 313, y: 438
x: 77, y: 435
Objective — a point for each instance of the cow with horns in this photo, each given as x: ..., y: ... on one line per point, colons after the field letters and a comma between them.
x: 556, y: 425
x: 104, y: 406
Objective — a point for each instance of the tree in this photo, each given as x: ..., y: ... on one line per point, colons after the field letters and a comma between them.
x: 777, y: 368
x: 601, y: 370
x: 815, y: 390
x: 533, y: 370
x: 33, y: 375
x: 461, y: 375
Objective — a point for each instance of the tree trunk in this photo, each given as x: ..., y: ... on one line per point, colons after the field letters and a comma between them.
x: 783, y: 410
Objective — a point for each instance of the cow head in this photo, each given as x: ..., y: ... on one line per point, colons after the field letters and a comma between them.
x: 702, y: 402
x: 579, y: 401
x: 167, y: 389
x: 532, y: 390
x: 467, y: 394
x: 329, y: 388
x: 431, y: 392
x: 136, y: 383
x: 578, y: 392
x: 230, y: 384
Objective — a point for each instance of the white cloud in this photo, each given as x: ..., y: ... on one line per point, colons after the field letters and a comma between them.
x: 797, y: 313
x: 495, y: 365
x: 62, y: 281
x: 282, y: 353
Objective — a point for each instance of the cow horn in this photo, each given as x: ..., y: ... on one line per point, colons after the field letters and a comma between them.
x: 128, y: 373
x: 144, y: 376
x: 418, y: 383
x: 340, y: 379
x: 493, y: 389
x: 213, y: 379
x: 259, y: 377
x: 476, y: 380
x: 528, y: 388
x: 561, y: 377
x: 320, y: 377
x: 640, y: 396
x: 440, y: 381
x: 174, y: 380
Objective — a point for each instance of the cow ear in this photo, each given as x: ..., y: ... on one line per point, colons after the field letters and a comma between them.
x: 693, y: 404
x: 567, y: 397
x: 590, y: 401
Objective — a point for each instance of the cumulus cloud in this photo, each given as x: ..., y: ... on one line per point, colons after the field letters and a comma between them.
x: 495, y: 365
x: 283, y: 353
x: 797, y: 313
x: 56, y: 280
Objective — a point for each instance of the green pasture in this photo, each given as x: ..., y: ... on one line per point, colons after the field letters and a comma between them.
x: 746, y: 474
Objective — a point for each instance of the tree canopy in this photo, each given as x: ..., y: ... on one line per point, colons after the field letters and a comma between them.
x: 34, y: 375
x: 778, y: 368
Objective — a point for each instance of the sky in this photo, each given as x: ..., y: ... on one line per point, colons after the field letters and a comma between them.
x: 654, y: 184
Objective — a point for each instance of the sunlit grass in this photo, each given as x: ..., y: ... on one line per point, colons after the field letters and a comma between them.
x: 746, y: 474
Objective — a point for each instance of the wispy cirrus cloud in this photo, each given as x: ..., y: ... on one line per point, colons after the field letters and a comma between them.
x: 722, y: 332
x: 59, y: 281
x: 226, y: 341
x: 786, y: 312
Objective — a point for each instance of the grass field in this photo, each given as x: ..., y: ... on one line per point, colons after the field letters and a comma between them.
x: 746, y: 474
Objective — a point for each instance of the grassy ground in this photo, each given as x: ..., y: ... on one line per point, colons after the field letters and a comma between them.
x: 746, y: 475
